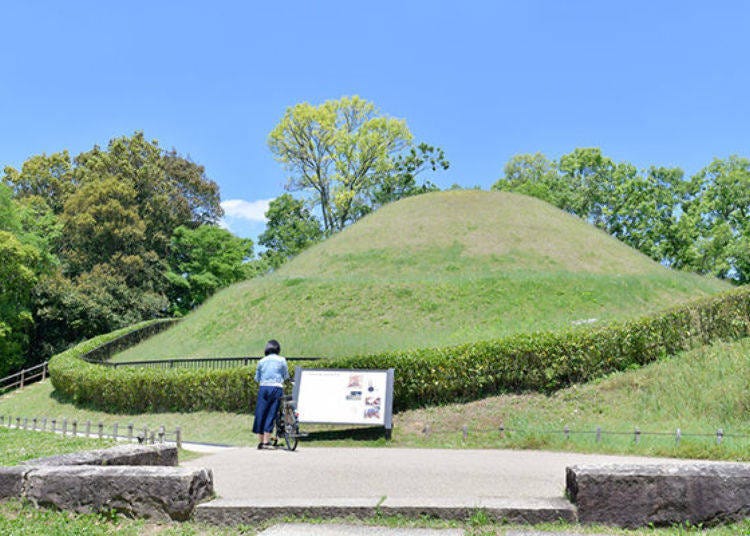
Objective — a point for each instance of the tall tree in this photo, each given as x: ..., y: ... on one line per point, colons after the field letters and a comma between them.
x: 101, y: 223
x: 534, y: 175
x: 402, y: 182
x: 18, y: 275
x: 203, y: 260
x: 109, y: 215
x: 21, y: 265
x: 589, y: 176
x: 642, y: 209
x: 337, y: 151
x: 290, y: 228
x: 45, y: 178
x: 721, y: 213
x: 170, y: 190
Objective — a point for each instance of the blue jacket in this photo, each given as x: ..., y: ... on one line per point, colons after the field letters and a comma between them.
x: 272, y: 371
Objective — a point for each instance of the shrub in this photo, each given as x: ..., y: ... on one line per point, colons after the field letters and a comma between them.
x: 539, y: 361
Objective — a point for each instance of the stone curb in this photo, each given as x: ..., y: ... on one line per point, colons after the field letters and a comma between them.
x: 118, y: 455
x: 225, y: 512
x: 632, y: 495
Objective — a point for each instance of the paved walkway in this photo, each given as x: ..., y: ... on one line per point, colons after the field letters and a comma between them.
x: 516, y: 486
x: 468, y: 477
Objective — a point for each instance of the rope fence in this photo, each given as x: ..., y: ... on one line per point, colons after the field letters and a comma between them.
x: 131, y: 433
x: 637, y: 434
x: 87, y: 429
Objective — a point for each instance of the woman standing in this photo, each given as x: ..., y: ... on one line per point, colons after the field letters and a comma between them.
x: 270, y: 374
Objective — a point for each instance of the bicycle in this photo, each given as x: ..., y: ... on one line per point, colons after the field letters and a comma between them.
x: 287, y: 424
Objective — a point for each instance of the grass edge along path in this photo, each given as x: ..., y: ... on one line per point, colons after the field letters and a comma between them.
x: 20, y: 518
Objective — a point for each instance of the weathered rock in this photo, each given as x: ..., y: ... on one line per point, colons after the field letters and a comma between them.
x: 118, y: 455
x: 159, y: 493
x: 11, y: 481
x: 662, y: 494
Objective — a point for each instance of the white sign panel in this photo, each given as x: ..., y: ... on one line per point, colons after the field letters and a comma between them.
x: 343, y: 397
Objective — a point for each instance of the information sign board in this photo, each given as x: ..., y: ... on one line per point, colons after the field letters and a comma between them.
x: 352, y: 396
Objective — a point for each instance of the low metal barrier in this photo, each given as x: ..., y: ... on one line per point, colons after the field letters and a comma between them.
x: 213, y: 362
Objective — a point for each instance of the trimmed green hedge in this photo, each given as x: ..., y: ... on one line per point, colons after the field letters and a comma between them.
x: 132, y: 336
x: 143, y: 390
x: 529, y: 362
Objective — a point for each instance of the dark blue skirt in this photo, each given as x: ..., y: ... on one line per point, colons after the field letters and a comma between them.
x: 266, y: 408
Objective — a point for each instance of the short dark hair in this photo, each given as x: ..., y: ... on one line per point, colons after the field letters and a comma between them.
x: 273, y: 347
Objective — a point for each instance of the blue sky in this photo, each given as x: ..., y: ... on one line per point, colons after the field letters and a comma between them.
x: 650, y: 82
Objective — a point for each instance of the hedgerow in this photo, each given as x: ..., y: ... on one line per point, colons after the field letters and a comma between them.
x: 543, y: 361
x: 143, y: 390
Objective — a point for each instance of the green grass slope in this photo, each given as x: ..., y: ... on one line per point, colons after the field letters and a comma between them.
x: 438, y: 269
x: 698, y: 392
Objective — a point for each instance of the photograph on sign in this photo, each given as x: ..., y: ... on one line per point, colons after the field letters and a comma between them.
x: 342, y: 396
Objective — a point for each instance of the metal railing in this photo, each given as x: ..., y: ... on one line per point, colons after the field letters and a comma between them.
x: 212, y: 362
x: 25, y: 377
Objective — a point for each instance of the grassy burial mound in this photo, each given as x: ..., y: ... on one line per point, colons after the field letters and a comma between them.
x: 434, y: 270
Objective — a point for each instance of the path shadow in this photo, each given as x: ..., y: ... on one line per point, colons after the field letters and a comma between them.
x: 355, y: 434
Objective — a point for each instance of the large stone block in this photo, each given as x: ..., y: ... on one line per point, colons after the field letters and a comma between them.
x: 662, y: 494
x: 117, y: 455
x: 11, y: 481
x: 159, y: 493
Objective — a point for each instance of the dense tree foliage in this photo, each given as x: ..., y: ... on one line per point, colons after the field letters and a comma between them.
x: 47, y: 179
x: 290, y: 228
x: 203, y: 260
x: 21, y: 264
x: 700, y: 224
x: 88, y: 246
x: 718, y: 213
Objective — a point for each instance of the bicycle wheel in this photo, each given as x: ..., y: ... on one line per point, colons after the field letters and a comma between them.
x: 291, y: 428
x: 279, y: 428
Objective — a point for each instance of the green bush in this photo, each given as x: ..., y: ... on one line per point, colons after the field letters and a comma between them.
x: 142, y: 390
x: 529, y: 362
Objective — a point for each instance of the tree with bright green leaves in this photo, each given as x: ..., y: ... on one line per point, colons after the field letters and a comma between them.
x: 581, y: 182
x: 639, y: 208
x: 338, y: 151
x: 290, y: 228
x: 402, y: 182
x: 18, y: 275
x: 719, y: 216
x: 589, y: 177
x: 203, y: 260
x: 21, y: 265
x: 642, y: 209
x: 701, y: 225
x: 533, y: 175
